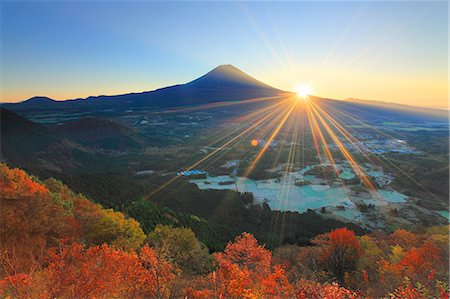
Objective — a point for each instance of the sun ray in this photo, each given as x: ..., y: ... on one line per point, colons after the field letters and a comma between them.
x: 270, y: 140
x: 366, y: 152
x: 359, y: 172
x: 221, y: 104
x: 246, y: 121
x: 240, y: 140
x: 220, y: 148
x: 324, y: 142
x: 352, y: 139
x: 262, y: 35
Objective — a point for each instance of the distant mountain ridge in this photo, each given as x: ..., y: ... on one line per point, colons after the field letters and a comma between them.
x: 441, y: 113
x: 383, y: 111
x: 390, y: 104
x: 39, y: 100
x: 223, y: 83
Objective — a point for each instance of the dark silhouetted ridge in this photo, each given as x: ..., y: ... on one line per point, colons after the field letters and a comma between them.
x: 41, y: 100
x: 101, y: 133
x: 223, y: 83
x: 227, y: 76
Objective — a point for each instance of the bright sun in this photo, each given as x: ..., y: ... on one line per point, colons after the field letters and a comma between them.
x: 303, y: 90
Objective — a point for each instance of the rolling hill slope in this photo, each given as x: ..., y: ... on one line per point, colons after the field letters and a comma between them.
x: 74, y: 145
x: 35, y: 146
x: 100, y: 133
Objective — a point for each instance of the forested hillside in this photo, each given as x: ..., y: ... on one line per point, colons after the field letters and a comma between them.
x: 58, y: 244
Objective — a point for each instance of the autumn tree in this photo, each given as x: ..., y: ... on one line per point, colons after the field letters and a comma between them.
x: 96, y: 272
x: 367, y: 274
x: 419, y: 291
x: 244, y: 270
x: 340, y: 251
x: 158, y: 274
x: 300, y: 262
x: 98, y: 225
x: 181, y: 246
x: 314, y: 290
x: 30, y: 222
x: 58, y: 244
x: 37, y: 216
x: 419, y: 264
x: 403, y: 238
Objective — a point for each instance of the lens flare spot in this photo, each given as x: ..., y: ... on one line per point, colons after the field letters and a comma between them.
x: 254, y: 142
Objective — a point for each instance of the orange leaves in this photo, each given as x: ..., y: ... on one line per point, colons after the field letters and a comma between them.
x: 417, y: 258
x: 74, y: 271
x: 403, y: 238
x: 365, y: 276
x: 276, y: 284
x: 198, y: 294
x: 406, y: 293
x: 96, y: 272
x: 246, y: 253
x: 419, y: 291
x: 31, y: 221
x: 314, y: 290
x: 10, y: 285
x: 232, y: 281
x: 340, y: 251
x: 35, y: 218
x: 157, y: 275
x: 16, y: 183
x: 416, y: 263
x: 345, y: 239
x: 244, y: 271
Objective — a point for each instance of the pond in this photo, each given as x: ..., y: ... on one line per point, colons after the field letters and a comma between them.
x: 282, y: 194
x: 444, y: 214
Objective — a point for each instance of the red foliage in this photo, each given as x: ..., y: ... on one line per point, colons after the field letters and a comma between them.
x: 244, y: 271
x: 246, y: 253
x: 365, y: 276
x: 77, y: 272
x: 198, y: 294
x: 35, y: 218
x: 30, y: 222
x: 406, y: 293
x: 340, y: 250
x: 403, y: 238
x: 411, y: 292
x: 276, y: 284
x: 314, y: 290
x: 16, y: 183
x: 157, y: 274
x: 10, y: 285
x: 96, y: 272
x: 417, y: 263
